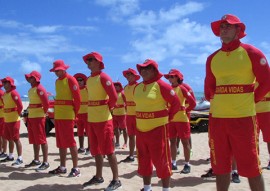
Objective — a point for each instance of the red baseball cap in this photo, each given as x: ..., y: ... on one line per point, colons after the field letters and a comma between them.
x: 95, y: 55
x: 231, y: 19
x: 9, y: 79
x: 34, y: 74
x: 174, y: 72
x: 132, y: 71
x: 59, y: 65
x: 80, y: 75
x: 148, y: 62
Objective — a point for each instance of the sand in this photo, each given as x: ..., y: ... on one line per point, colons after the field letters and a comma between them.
x: 20, y: 178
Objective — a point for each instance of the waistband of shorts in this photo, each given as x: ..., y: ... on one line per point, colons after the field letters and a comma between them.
x: 9, y: 110
x: 119, y: 106
x: 152, y: 115
x: 34, y: 105
x: 63, y: 102
x: 84, y: 103
x: 234, y: 89
x: 131, y: 103
x: 97, y: 102
x: 266, y: 99
x: 182, y: 108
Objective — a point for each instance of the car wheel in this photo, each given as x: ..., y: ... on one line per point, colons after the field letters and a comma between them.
x: 203, y: 126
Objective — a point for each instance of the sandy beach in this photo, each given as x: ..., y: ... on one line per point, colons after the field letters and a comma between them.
x: 20, y: 178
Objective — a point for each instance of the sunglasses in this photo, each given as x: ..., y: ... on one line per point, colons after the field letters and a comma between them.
x: 149, y: 67
x: 171, y: 76
x: 79, y: 79
x: 91, y: 59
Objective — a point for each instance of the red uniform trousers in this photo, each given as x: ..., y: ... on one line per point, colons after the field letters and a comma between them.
x: 234, y: 137
x: 2, y: 126
x: 64, y: 131
x: 12, y: 131
x: 179, y: 129
x: 153, y: 149
x: 82, y: 124
x: 119, y: 121
x: 131, y: 125
x: 36, y: 130
x: 263, y: 120
x: 101, y: 138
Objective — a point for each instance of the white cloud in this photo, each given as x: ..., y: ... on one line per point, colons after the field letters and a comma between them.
x: 28, y: 66
x: 46, y: 29
x: 119, y: 8
x: 177, y: 12
x: 172, y: 41
x: 9, y: 24
x: 168, y: 34
x: 176, y: 62
x: 25, y: 44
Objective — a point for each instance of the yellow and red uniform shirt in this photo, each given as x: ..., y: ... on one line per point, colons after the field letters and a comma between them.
x: 151, y: 100
x: 191, y: 93
x: 131, y: 106
x: 120, y: 106
x: 1, y: 104
x: 101, y: 97
x: 230, y: 76
x: 38, y: 102
x: 184, y: 97
x: 84, y: 100
x: 12, y: 106
x: 263, y: 106
x: 67, y: 99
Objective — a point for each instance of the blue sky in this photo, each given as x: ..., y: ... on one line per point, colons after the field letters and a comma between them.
x: 176, y: 34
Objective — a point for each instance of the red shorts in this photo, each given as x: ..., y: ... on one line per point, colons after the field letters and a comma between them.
x: 82, y: 124
x: 101, y: 138
x: 131, y: 125
x: 36, y: 131
x: 153, y: 148
x: 2, y: 126
x: 179, y: 129
x: 119, y: 121
x: 64, y: 131
x: 235, y: 137
x: 12, y: 131
x: 263, y: 120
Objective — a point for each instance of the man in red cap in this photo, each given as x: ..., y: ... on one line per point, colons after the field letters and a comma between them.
x: 66, y: 107
x: 119, y: 116
x: 12, y: 111
x: 102, y: 98
x: 3, y: 142
x: 179, y: 125
x: 37, y: 109
x: 81, y: 122
x: 152, y: 97
x: 231, y: 73
x: 132, y: 78
x: 191, y: 92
